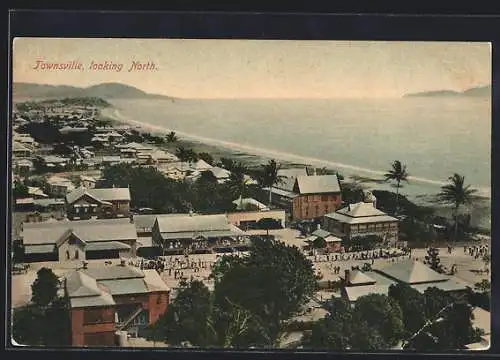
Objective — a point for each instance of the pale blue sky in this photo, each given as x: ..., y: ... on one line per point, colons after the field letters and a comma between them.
x: 262, y: 69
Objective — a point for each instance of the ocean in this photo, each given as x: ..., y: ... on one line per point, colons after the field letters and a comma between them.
x: 434, y: 137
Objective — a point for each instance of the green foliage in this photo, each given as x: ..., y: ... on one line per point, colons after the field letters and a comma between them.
x: 361, y: 243
x: 457, y: 194
x: 397, y: 173
x: 44, y: 289
x: 187, y: 318
x: 319, y: 243
x: 20, y: 190
x: 351, y: 193
x: 171, y: 137
x: 375, y: 323
x: 46, y: 320
x: 186, y: 155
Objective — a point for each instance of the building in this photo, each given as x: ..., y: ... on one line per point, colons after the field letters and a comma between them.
x: 36, y: 193
x: 20, y: 151
x: 84, y: 203
x: 78, y: 240
x: 23, y: 167
x: 249, y: 204
x: 195, y: 232
x: 87, y: 181
x: 247, y: 220
x: 362, y: 219
x: 58, y: 186
x: 105, y: 300
x: 417, y: 275
x: 333, y: 243
x: 52, y: 161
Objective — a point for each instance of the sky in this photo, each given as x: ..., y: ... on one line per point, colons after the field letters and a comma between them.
x: 190, y: 68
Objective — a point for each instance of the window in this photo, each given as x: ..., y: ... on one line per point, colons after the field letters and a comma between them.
x: 76, y: 254
x: 324, y: 197
x: 97, y: 316
x: 67, y: 254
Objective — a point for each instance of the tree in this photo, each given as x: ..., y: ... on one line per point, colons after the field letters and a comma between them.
x: 272, y: 284
x: 457, y: 194
x: 269, y: 176
x: 268, y: 224
x: 334, y: 331
x: 412, y: 305
x: 237, y: 182
x: 44, y: 289
x: 432, y: 259
x: 208, y: 158
x: 397, y: 173
x: 187, y: 318
x: 26, y: 325
x: 20, y: 190
x: 171, y: 137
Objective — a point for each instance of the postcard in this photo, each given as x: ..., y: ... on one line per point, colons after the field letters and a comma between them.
x: 251, y: 194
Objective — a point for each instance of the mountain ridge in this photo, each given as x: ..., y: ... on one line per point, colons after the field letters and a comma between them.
x: 477, y: 91
x: 111, y: 90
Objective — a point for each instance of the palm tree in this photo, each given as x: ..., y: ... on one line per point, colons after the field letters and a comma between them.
x: 237, y: 181
x: 457, y: 194
x: 183, y: 154
x: 270, y: 177
x: 171, y: 137
x: 397, y: 173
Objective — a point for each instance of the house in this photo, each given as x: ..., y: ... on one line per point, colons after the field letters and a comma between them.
x: 201, y: 165
x: 52, y: 161
x: 78, y: 240
x: 175, y: 171
x: 59, y: 186
x: 162, y: 157
x: 410, y: 272
x: 192, y: 231
x: 50, y: 204
x: 144, y: 227
x: 23, y: 167
x: 87, y: 181
x: 71, y: 130
x: 24, y: 139
x: 249, y: 204
x: 333, y: 243
x: 36, y: 193
x: 105, y: 300
x: 86, y: 203
x: 247, y: 220
x: 137, y: 147
x: 310, y: 197
x: 20, y: 151
x: 362, y: 219
x: 25, y: 204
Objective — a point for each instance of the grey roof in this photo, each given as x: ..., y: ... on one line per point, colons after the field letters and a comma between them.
x: 321, y: 233
x: 106, y: 194
x: 193, y: 223
x: 107, y: 245
x: 54, y: 159
x: 281, y: 192
x: 16, y: 146
x: 357, y: 277
x: 154, y: 281
x: 319, y: 184
x: 144, y: 222
x: 355, y: 292
x: 206, y: 234
x: 361, y: 213
x: 48, y: 202
x: 39, y: 249
x: 125, y: 286
x: 114, y: 272
x: 220, y: 173
x: 144, y: 241
x: 87, y: 230
x: 79, y: 284
x: 287, y: 177
x: 412, y: 272
x: 449, y: 285
x: 104, y: 299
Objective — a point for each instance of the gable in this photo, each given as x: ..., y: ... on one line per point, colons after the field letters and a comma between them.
x: 85, y: 199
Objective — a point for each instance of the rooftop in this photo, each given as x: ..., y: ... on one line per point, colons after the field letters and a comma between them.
x: 362, y: 212
x: 412, y: 272
x: 319, y: 184
x: 192, y: 222
x: 105, y: 194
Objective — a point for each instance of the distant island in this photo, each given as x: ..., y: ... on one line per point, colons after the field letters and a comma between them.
x: 479, y: 91
x: 104, y: 91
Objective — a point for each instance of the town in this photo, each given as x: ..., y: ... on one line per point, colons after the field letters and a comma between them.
x: 141, y: 241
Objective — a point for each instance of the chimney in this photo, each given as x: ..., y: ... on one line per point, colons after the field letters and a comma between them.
x: 85, y: 264
x: 318, y: 227
x: 347, y: 276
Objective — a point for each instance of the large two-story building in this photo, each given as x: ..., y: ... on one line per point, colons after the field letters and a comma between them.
x: 309, y: 198
x: 104, y: 300
x: 84, y: 203
x: 362, y: 219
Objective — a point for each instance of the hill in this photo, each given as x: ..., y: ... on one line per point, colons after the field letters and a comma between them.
x: 480, y: 91
x: 105, y: 91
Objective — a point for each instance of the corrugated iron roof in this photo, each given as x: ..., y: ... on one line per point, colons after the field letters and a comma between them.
x: 319, y: 184
x: 114, y: 272
x: 125, y: 286
x: 412, y: 272
x: 107, y: 245
x: 193, y: 223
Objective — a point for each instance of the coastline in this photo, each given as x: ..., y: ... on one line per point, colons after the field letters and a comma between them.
x: 252, y: 158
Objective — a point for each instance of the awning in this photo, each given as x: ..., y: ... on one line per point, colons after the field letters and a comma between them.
x: 108, y: 245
